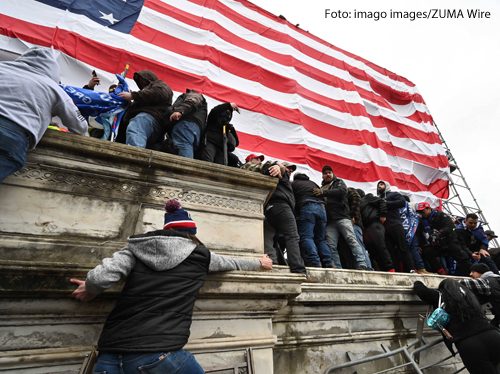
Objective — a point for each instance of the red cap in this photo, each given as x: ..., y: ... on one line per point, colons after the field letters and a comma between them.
x: 422, y: 206
x: 252, y: 155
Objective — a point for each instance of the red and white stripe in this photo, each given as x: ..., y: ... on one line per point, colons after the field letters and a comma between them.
x: 302, y: 99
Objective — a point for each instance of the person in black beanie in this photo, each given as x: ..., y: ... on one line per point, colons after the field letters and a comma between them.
x: 486, y: 286
x: 150, y: 323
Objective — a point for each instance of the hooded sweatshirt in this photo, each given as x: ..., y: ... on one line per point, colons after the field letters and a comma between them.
x: 164, y: 270
x: 30, y: 94
x: 303, y: 191
x: 154, y: 98
x: 395, y: 201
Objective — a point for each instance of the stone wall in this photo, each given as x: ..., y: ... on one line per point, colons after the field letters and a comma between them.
x: 78, y: 199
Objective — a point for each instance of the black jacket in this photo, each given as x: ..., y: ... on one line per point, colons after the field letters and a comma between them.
x: 217, y: 119
x: 153, y: 99
x: 395, y: 201
x: 443, y: 223
x: 303, y: 190
x: 283, y: 192
x: 458, y: 329
x: 193, y: 108
x: 469, y: 242
x: 154, y: 311
x: 372, y: 208
x: 337, y: 205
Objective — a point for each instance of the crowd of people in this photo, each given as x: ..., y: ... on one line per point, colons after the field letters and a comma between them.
x: 326, y: 225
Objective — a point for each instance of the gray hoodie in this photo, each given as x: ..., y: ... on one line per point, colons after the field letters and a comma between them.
x: 159, y: 253
x: 30, y: 94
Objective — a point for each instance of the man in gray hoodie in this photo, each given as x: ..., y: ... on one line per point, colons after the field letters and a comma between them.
x: 29, y: 97
x: 150, y: 323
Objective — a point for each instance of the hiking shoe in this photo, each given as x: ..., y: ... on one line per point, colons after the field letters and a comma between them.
x: 424, y: 272
x: 311, y: 280
x: 332, y: 266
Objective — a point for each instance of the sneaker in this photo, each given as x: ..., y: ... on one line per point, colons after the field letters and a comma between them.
x: 361, y: 267
x: 413, y: 271
x: 441, y: 272
x: 424, y: 272
x: 391, y: 271
x: 332, y: 266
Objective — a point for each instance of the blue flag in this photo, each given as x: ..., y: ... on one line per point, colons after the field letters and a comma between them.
x: 107, y: 108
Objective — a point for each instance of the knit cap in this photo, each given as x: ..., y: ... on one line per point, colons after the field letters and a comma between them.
x: 480, y: 268
x: 177, y: 218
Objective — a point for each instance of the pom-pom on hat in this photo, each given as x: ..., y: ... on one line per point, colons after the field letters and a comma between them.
x: 177, y: 218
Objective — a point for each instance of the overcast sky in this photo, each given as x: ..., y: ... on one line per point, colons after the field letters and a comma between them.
x: 454, y: 62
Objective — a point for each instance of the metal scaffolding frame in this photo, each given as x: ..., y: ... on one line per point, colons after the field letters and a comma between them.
x: 455, y: 205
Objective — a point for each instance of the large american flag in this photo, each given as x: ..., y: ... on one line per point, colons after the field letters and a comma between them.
x: 303, y: 100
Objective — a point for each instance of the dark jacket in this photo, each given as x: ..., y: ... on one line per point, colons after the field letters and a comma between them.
x: 193, y: 108
x: 469, y: 242
x: 217, y: 119
x: 283, y: 192
x: 155, y: 308
x: 165, y: 270
x: 395, y: 201
x: 154, y: 99
x: 303, y: 191
x: 443, y: 223
x: 335, y: 194
x: 355, y: 206
x: 459, y: 330
x: 372, y: 208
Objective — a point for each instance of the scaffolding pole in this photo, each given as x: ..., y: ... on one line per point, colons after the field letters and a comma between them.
x: 455, y: 205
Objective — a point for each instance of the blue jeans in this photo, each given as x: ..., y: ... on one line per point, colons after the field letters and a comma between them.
x: 186, y: 138
x: 359, y: 237
x: 176, y: 362
x: 312, y: 223
x: 417, y: 258
x: 142, y: 130
x: 14, y: 143
x: 344, y: 227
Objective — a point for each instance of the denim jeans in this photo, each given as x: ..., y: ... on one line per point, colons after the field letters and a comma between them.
x: 176, y: 362
x: 142, y: 130
x: 312, y: 223
x: 344, y: 227
x: 14, y: 143
x: 359, y: 237
x: 186, y: 138
x: 417, y: 258
x: 280, y: 216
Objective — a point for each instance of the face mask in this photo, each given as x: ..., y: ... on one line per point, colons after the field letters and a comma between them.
x: 226, y: 117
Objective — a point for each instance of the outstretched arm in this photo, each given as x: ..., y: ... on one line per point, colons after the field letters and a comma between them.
x: 222, y: 263
x: 104, y: 276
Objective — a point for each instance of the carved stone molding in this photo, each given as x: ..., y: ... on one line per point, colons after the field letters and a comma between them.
x: 53, y: 175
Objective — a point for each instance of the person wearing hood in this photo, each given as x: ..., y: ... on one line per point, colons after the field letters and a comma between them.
x: 312, y: 222
x: 475, y: 338
x: 474, y: 241
x: 374, y: 213
x: 218, y: 120
x: 334, y: 191
x: 141, y: 125
x: 486, y: 286
x: 29, y: 98
x: 437, y: 237
x: 395, y: 237
x: 164, y: 271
